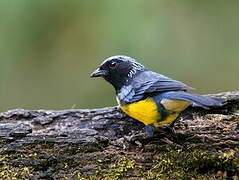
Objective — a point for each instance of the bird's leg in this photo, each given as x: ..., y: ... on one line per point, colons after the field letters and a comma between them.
x: 149, y: 131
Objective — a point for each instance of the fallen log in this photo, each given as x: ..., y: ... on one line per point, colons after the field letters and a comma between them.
x: 105, y: 143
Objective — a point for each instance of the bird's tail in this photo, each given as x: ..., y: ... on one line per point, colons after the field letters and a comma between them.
x: 196, y: 100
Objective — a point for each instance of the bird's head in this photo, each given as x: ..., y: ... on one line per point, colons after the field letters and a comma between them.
x: 118, y: 70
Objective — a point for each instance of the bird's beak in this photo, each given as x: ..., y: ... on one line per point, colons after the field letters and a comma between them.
x: 99, y: 73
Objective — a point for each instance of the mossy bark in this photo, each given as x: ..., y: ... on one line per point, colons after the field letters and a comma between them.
x: 106, y: 144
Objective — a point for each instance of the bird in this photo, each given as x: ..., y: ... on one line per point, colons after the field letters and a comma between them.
x: 149, y: 97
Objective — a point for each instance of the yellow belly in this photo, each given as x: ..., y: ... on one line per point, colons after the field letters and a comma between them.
x: 145, y: 111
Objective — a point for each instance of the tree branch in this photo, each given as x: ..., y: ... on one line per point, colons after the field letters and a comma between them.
x: 110, y: 129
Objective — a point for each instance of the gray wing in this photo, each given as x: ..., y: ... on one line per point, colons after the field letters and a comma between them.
x: 149, y: 82
x: 195, y: 99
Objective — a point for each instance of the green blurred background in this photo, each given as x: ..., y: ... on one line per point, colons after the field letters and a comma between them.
x: 48, y: 48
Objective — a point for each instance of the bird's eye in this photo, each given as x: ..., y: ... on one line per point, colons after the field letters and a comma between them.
x: 112, y: 65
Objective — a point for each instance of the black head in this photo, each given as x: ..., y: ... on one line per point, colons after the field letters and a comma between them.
x: 118, y: 70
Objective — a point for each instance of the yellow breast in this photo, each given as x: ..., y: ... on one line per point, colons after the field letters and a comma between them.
x: 145, y: 111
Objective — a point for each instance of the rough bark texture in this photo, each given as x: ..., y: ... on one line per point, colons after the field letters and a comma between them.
x: 105, y: 143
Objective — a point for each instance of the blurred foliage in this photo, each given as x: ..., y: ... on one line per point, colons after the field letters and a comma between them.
x: 49, y: 48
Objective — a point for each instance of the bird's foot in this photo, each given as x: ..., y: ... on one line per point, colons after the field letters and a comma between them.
x: 149, y: 130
